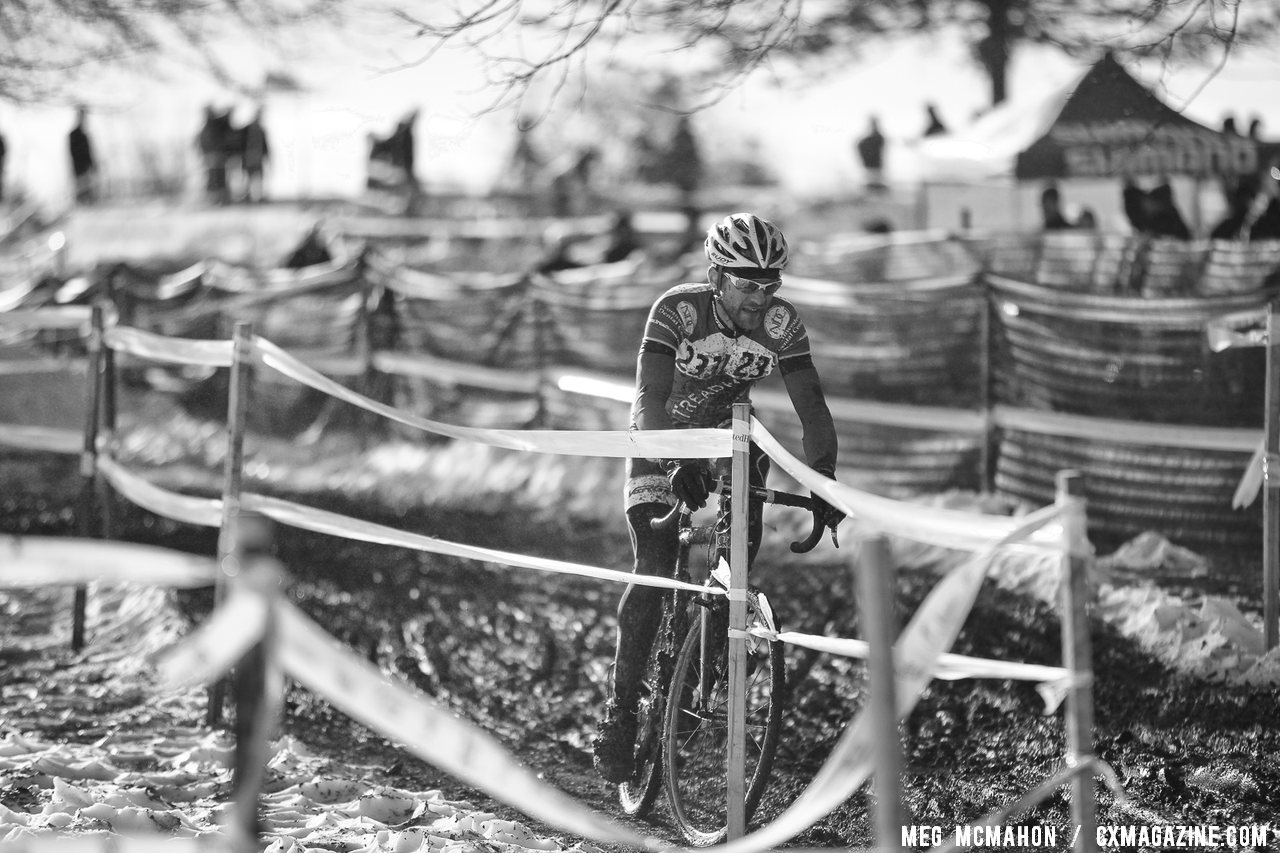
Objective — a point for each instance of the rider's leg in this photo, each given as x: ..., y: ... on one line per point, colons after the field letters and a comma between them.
x: 640, y: 609
x: 639, y: 613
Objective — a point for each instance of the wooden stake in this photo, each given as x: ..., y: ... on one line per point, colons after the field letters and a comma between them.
x: 1077, y: 655
x: 87, y: 523
x: 739, y: 482
x: 1270, y: 482
x: 233, y: 473
x: 872, y: 571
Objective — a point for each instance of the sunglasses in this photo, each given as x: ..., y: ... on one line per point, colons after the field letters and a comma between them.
x: 746, y: 285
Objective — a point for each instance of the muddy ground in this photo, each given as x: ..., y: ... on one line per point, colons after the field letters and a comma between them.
x: 525, y: 655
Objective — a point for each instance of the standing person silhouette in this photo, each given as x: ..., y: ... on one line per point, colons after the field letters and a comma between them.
x: 84, y: 168
x: 871, y: 153
x: 254, y: 153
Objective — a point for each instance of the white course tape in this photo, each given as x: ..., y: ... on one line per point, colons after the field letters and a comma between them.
x: 1127, y: 432
x: 221, y: 640
x: 32, y: 561
x: 456, y: 373
x: 947, y: 528
x: 50, y: 317
x: 322, y: 521
x: 44, y: 439
x: 931, y: 631
x: 932, y: 418
x: 431, y: 732
x: 1251, y: 481
x: 1238, y: 329
x: 25, y: 366
x: 206, y: 512
x: 173, y: 350
x: 949, y: 667
x: 652, y: 444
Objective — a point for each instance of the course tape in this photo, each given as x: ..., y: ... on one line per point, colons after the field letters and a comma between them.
x: 931, y: 631
x: 217, y: 644
x: 51, y: 317
x: 41, y: 438
x: 947, y: 528
x: 1127, y: 432
x: 1238, y: 329
x: 1181, y: 313
x: 1251, y: 480
x: 208, y: 513
x: 205, y: 512
x: 26, y: 366
x: 460, y: 748
x: 322, y: 521
x: 652, y: 444
x: 174, y: 350
x: 36, y: 561
x: 949, y: 667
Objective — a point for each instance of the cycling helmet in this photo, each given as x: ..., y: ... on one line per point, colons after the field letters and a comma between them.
x: 746, y: 240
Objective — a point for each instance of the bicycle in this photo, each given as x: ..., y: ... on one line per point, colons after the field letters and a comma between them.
x: 681, y: 722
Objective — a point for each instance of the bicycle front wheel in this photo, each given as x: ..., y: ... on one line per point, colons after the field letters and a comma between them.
x: 697, y: 727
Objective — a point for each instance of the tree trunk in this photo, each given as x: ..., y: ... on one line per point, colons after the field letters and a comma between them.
x: 994, y: 49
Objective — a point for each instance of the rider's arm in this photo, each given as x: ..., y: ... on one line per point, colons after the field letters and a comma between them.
x: 655, y: 374
x: 805, y: 389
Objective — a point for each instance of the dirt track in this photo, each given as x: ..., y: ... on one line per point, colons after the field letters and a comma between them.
x: 525, y: 656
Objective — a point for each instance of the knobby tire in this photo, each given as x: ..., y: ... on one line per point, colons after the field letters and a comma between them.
x: 696, y: 735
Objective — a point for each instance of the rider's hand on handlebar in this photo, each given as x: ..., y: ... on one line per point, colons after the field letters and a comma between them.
x: 824, y: 514
x: 691, y: 482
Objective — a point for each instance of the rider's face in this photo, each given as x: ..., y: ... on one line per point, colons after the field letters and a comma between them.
x: 744, y: 301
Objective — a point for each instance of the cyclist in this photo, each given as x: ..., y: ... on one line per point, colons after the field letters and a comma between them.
x: 704, y: 347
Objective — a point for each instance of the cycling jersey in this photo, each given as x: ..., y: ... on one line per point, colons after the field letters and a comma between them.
x: 715, y: 365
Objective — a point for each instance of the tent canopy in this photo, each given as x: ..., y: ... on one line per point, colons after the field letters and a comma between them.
x: 1103, y: 124
x: 1113, y: 125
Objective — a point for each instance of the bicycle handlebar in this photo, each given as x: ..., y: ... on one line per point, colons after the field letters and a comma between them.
x: 769, y: 496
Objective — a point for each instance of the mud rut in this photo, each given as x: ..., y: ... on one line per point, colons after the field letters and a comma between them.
x: 525, y: 655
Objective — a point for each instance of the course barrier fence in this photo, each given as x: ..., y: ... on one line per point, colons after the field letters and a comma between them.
x: 272, y: 635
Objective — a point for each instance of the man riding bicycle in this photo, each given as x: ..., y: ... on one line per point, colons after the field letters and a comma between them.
x: 704, y: 347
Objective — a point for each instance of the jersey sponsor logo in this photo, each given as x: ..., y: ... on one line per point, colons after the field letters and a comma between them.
x: 688, y: 316
x: 776, y: 321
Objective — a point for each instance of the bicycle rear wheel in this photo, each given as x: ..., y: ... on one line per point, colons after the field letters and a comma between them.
x: 638, y: 793
x: 697, y: 730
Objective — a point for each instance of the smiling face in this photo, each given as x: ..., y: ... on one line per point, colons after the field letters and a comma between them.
x: 744, y: 301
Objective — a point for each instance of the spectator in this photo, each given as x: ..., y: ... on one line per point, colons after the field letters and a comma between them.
x: 1161, y: 215
x: 1051, y: 210
x: 1087, y: 220
x: 558, y: 241
x: 1255, y: 128
x: 935, y: 127
x: 871, y: 153
x: 526, y: 162
x: 684, y: 162
x: 623, y: 239
x: 1267, y: 225
x: 1239, y: 204
x: 254, y: 153
x: 1229, y: 125
x: 84, y: 167
x: 571, y: 186
x: 1135, y: 202
x: 215, y: 146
